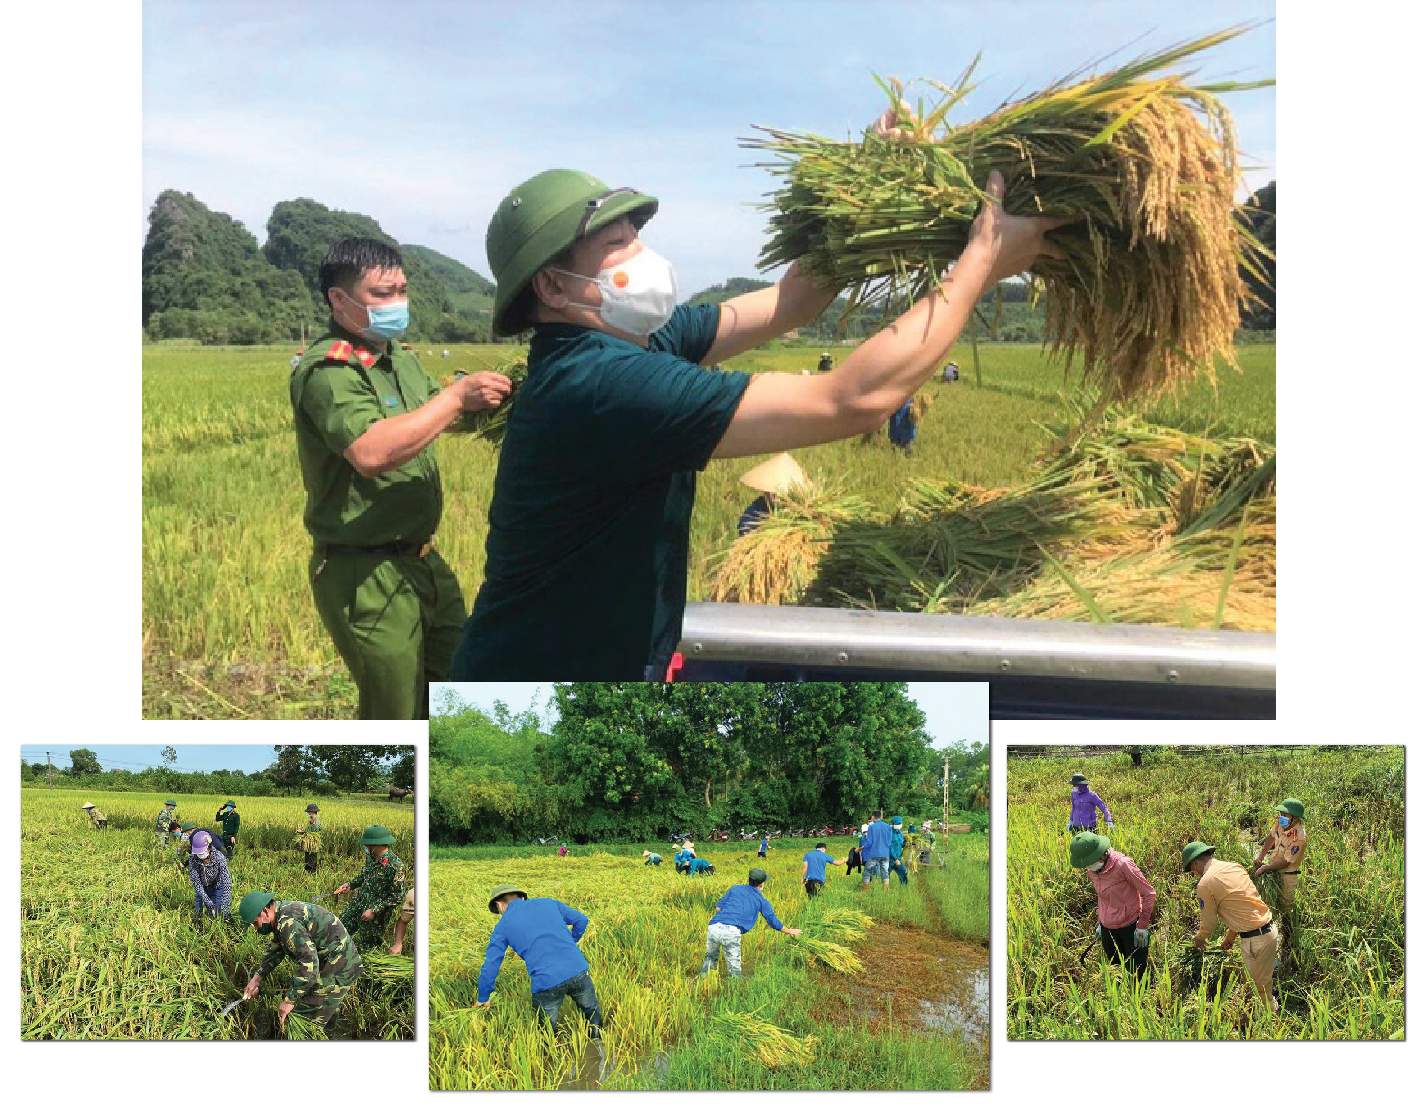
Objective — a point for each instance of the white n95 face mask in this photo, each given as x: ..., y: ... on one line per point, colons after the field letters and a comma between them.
x: 637, y: 296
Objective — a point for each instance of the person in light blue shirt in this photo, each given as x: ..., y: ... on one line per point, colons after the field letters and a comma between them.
x: 536, y: 930
x: 898, y: 846
x: 734, y: 916
x: 877, y: 851
x: 815, y: 863
x: 763, y: 847
x: 651, y: 858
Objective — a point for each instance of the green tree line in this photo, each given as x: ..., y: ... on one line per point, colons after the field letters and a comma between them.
x: 635, y: 762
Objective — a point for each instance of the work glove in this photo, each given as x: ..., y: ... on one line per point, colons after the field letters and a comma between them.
x: 1139, y: 938
x: 1098, y: 931
x: 1109, y: 823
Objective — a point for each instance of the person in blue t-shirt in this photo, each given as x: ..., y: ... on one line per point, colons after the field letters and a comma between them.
x: 682, y: 860
x: 876, y: 850
x: 763, y: 847
x: 898, y: 845
x: 734, y: 916
x: 901, y: 429
x: 536, y: 930
x: 815, y: 863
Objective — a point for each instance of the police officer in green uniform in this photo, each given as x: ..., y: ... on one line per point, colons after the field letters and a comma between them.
x: 381, y: 885
x: 231, y: 823
x: 366, y: 415
x: 588, y: 530
x: 326, y: 963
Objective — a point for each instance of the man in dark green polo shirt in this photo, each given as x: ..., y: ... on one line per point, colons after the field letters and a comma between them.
x: 366, y: 415
x: 588, y: 531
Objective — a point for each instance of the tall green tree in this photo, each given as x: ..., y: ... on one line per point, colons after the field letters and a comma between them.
x: 83, y: 760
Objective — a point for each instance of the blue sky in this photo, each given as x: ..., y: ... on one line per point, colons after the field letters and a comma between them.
x: 191, y: 757
x: 424, y: 115
x: 953, y: 710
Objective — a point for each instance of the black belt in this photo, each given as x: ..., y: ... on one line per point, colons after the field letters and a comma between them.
x: 387, y: 550
x: 1258, y: 931
x: 1290, y: 873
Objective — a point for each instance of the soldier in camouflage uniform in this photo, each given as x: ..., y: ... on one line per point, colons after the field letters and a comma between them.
x: 326, y: 963
x: 381, y: 886
x: 231, y: 824
x: 366, y: 416
x: 308, y: 837
x: 166, y: 816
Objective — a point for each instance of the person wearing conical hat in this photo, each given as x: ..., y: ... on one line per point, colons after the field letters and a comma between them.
x: 536, y: 929
x: 325, y: 962
x: 620, y: 411
x: 231, y: 823
x: 772, y: 479
x: 1125, y: 899
x: 651, y: 858
x: 1224, y: 892
x: 1084, y: 804
x: 1286, y: 844
x: 381, y: 885
x: 98, y: 819
x: 309, y: 837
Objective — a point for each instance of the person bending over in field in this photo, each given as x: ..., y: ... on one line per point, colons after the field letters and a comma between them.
x: 773, y: 478
x: 815, y: 863
x: 97, y: 818
x: 1125, y: 899
x: 619, y: 412
x: 308, y: 837
x: 326, y: 963
x: 536, y: 929
x: 380, y: 884
x: 366, y: 417
x: 211, y: 881
x: 1285, y: 844
x: 734, y: 916
x: 651, y: 859
x: 1084, y: 801
x: 1224, y: 891
x: 695, y: 867
x: 406, y: 917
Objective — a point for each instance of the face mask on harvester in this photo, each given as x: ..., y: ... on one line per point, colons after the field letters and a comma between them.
x: 1284, y: 821
x: 638, y: 296
x: 265, y: 929
x: 386, y: 321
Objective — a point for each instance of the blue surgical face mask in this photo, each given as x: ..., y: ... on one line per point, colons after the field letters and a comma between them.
x: 386, y: 321
x: 1284, y: 821
x: 368, y: 851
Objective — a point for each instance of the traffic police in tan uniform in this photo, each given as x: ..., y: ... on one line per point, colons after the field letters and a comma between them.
x: 1284, y: 849
x: 366, y: 415
x: 1224, y: 891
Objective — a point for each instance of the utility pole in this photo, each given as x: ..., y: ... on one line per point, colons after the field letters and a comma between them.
x: 946, y: 841
x: 51, y: 770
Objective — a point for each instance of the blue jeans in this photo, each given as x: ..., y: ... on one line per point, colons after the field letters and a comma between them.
x: 876, y: 867
x: 582, y: 993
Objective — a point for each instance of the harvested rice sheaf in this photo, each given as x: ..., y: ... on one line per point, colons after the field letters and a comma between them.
x: 492, y: 424
x: 776, y: 1047
x: 1144, y: 163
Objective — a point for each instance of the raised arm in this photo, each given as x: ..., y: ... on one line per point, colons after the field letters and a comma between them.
x: 750, y: 320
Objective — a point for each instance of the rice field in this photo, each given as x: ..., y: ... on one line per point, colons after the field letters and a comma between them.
x: 1340, y: 968
x: 108, y: 945
x: 230, y: 631
x: 885, y: 989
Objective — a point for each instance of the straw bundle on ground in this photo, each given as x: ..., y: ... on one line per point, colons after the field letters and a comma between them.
x: 830, y: 954
x: 776, y: 1047
x: 387, y: 969
x: 1148, y: 290
x: 300, y: 1029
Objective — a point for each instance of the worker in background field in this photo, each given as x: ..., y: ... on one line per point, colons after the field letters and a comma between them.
x: 562, y: 849
x: 160, y: 825
x: 1084, y: 800
x: 694, y: 867
x: 896, y: 849
x: 734, y: 916
x: 309, y: 837
x: 815, y: 863
x: 536, y: 929
x: 325, y: 961
x: 1125, y: 899
x: 651, y: 858
x: 950, y: 374
x: 406, y: 917
x: 876, y: 849
x: 1285, y: 843
x: 231, y: 823
x: 381, y: 884
x: 778, y: 475
x: 901, y: 429
x: 824, y: 363
x: 1224, y: 891
x: 763, y: 846
x: 928, y: 835
x: 98, y: 819
x: 211, y: 880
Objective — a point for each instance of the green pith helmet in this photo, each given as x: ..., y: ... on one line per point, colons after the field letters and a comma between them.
x: 229, y: 804
x: 1192, y: 851
x: 377, y: 835
x: 539, y: 219
x: 252, y: 905
x: 312, y: 807
x: 189, y: 826
x: 1087, y: 848
x: 90, y: 804
x: 757, y: 874
x: 170, y: 804
x: 1291, y: 807
x: 500, y: 891
x: 1078, y: 779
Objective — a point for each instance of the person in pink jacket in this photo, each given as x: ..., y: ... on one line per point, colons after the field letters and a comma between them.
x: 1125, y: 899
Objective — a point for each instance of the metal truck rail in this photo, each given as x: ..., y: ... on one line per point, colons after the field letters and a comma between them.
x: 1037, y: 669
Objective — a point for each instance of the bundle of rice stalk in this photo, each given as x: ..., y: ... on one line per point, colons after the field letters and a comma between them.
x: 776, y: 1047
x: 300, y: 1029
x: 1148, y: 289
x: 387, y: 969
x: 847, y: 923
x: 834, y: 955
x: 492, y: 424
x: 776, y: 561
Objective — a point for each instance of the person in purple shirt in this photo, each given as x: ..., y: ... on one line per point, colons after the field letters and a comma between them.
x: 1085, y: 800
x: 536, y: 930
x: 734, y: 916
x: 877, y: 851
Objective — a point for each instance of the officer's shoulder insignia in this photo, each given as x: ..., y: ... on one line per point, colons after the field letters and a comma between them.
x: 340, y: 351
x: 364, y: 357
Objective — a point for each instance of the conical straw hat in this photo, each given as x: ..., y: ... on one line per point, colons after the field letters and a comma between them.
x: 777, y: 475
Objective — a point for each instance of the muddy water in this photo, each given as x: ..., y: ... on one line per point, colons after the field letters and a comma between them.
x: 965, y: 1008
